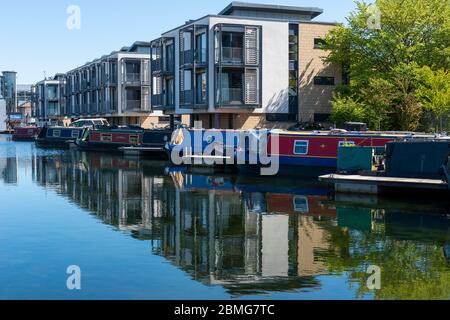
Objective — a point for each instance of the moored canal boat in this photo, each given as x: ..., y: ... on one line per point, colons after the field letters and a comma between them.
x: 25, y: 133
x: 58, y: 137
x: 294, y: 150
x: 109, y: 139
x: 152, y: 145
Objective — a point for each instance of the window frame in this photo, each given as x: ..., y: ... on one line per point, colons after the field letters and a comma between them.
x: 341, y: 143
x: 54, y: 135
x: 296, y: 142
x: 75, y: 134
x: 108, y: 137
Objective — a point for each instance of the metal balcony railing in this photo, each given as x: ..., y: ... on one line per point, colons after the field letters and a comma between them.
x: 233, y: 55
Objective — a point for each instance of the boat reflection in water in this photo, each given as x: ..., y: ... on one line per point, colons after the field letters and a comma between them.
x: 253, y: 236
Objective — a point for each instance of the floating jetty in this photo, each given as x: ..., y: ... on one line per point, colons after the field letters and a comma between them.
x: 365, y: 184
x: 409, y: 165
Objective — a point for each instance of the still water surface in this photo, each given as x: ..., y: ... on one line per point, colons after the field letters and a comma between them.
x: 139, y: 230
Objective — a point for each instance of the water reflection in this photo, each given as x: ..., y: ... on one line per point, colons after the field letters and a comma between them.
x: 254, y: 236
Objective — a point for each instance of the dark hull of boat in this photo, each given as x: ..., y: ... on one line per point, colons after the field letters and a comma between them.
x: 99, y: 147
x: 53, y: 143
x: 23, y: 139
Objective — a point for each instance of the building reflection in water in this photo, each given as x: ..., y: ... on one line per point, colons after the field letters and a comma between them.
x: 247, y: 237
x: 9, y: 170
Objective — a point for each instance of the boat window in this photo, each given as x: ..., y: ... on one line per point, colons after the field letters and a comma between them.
x: 134, y: 139
x: 75, y: 134
x: 301, y: 147
x: 301, y: 204
x: 106, y: 137
x: 57, y: 133
x: 347, y: 144
x: 30, y: 132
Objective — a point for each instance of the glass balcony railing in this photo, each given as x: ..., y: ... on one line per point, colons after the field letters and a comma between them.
x: 157, y: 99
x: 133, y: 105
x: 233, y: 55
x: 232, y: 96
x: 132, y: 77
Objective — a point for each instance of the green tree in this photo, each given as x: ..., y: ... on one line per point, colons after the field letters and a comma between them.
x: 434, y: 94
x: 382, y: 62
x: 378, y: 96
x: 346, y: 109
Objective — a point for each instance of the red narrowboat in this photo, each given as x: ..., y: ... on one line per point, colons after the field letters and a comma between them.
x: 319, y: 150
x: 109, y: 139
x: 25, y: 133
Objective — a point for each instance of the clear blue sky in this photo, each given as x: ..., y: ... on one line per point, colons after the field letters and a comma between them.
x: 34, y: 36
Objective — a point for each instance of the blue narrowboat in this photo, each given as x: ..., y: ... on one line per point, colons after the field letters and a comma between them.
x: 58, y: 137
x: 295, y: 150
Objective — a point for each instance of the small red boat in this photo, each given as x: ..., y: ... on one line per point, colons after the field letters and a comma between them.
x: 25, y: 133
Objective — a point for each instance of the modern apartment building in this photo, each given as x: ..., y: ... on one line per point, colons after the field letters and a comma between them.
x: 8, y: 89
x: 115, y: 86
x: 252, y: 65
x: 48, y: 99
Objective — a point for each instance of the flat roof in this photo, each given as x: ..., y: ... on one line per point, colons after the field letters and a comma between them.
x: 312, y: 11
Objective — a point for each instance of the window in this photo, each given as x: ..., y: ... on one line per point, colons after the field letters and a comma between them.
x: 201, y: 47
x: 319, y: 43
x: 56, y: 133
x: 281, y: 117
x: 322, y: 117
x: 324, y: 81
x: 134, y: 139
x: 106, y: 137
x: 201, y: 88
x: 301, y: 204
x: 301, y: 147
x: 346, y: 143
x: 75, y: 133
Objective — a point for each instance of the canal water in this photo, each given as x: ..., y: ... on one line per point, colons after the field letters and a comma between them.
x: 140, y: 230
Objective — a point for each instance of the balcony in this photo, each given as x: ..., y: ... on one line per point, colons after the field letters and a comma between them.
x: 132, y: 78
x: 186, y: 97
x: 187, y: 57
x: 232, y: 96
x: 132, y: 105
x: 232, y: 55
x: 157, y: 100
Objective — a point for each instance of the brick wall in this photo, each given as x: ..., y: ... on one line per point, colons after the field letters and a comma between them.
x: 314, y: 98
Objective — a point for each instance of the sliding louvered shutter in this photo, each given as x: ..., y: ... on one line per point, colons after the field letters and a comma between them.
x: 145, y: 71
x: 251, y: 46
x: 251, y: 86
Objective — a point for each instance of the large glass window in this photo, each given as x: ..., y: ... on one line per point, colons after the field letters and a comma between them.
x: 233, y: 47
x: 201, y: 47
x: 232, y: 86
x: 201, y: 87
x: 170, y: 92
